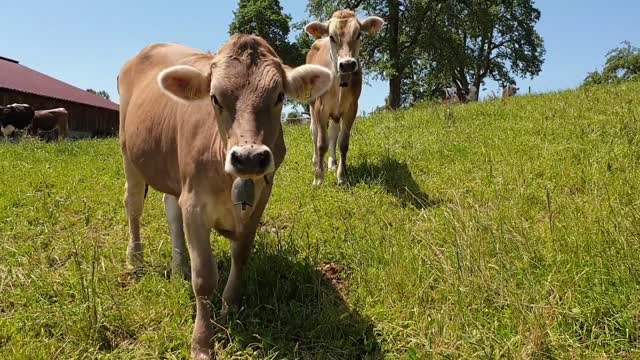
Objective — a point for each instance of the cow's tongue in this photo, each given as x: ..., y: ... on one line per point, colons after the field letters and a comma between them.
x: 243, y: 193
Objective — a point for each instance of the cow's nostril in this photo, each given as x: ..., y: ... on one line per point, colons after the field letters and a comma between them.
x: 262, y: 159
x: 235, y: 159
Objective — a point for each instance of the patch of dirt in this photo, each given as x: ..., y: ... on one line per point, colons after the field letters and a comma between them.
x: 336, y: 275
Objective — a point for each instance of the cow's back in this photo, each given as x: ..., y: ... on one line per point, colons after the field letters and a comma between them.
x: 151, y: 123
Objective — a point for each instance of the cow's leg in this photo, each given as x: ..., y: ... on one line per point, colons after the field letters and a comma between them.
x: 134, y: 203
x: 204, y: 274
x: 314, y: 134
x: 321, y: 144
x: 180, y: 256
x: 345, y: 134
x: 241, y: 246
x: 334, y: 131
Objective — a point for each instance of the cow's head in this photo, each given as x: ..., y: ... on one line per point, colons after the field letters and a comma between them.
x: 345, y: 34
x: 246, y: 84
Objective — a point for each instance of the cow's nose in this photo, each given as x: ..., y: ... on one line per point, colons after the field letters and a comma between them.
x: 249, y: 162
x: 348, y: 66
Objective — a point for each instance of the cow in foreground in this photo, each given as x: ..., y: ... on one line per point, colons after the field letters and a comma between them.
x: 337, y: 49
x: 509, y: 91
x: 49, y: 121
x: 205, y: 130
x: 15, y: 117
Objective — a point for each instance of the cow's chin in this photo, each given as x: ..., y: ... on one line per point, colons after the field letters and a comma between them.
x: 344, y: 79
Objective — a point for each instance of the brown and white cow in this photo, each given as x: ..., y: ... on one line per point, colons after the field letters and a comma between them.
x: 337, y: 49
x: 48, y: 121
x: 191, y: 125
x: 509, y: 91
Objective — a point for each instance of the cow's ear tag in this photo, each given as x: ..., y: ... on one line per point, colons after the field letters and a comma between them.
x: 307, y: 91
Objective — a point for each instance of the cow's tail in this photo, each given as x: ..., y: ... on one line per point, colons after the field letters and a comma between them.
x: 146, y: 190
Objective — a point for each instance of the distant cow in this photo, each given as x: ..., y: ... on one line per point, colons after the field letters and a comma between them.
x: 205, y: 130
x: 15, y: 117
x: 337, y: 49
x: 509, y: 91
x: 49, y: 121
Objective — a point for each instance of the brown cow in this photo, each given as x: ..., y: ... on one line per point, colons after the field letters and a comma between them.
x: 45, y: 121
x: 509, y: 91
x: 200, y: 127
x: 337, y: 49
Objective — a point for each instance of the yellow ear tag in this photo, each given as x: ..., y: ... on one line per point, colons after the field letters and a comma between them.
x: 307, y: 91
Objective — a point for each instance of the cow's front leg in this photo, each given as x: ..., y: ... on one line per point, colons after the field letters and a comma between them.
x: 241, y: 245
x: 240, y: 251
x: 204, y: 276
x: 345, y: 135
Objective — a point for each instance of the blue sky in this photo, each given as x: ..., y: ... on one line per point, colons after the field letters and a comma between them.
x: 85, y: 43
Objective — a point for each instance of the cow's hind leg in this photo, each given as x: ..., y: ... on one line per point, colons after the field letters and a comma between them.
x: 204, y: 274
x: 134, y: 203
x: 180, y: 257
x: 334, y: 131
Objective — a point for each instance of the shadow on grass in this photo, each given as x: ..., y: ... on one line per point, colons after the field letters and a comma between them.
x: 395, y: 178
x: 292, y: 310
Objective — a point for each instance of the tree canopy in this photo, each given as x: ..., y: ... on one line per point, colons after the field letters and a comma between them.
x: 101, y: 93
x: 430, y: 44
x: 622, y: 64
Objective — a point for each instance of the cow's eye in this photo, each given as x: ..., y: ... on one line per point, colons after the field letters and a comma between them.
x: 216, y: 102
x: 280, y: 99
x: 333, y: 40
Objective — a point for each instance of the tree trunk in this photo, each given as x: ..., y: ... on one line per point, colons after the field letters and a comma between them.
x: 395, y: 81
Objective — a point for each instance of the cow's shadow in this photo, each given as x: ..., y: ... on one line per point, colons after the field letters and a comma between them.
x: 292, y: 309
x: 395, y: 178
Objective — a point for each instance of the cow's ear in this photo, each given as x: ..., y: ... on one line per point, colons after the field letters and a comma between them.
x: 184, y: 83
x: 317, y: 29
x: 371, y: 25
x: 307, y: 82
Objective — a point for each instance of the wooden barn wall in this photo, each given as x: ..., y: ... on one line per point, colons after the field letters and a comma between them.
x: 82, y: 117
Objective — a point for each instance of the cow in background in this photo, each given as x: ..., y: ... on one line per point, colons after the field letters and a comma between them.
x: 332, y: 115
x: 50, y: 121
x: 15, y: 117
x: 509, y: 91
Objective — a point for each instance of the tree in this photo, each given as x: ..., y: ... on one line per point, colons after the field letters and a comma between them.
x: 266, y: 19
x: 430, y: 44
x: 101, y: 93
x: 622, y: 64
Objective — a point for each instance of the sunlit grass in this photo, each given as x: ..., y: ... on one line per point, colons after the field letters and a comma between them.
x: 492, y: 230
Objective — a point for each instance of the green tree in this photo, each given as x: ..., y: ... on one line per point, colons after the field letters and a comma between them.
x: 266, y: 19
x: 622, y: 64
x: 429, y: 44
x: 101, y: 93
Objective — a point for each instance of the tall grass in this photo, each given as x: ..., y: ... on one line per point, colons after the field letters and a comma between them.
x: 505, y: 229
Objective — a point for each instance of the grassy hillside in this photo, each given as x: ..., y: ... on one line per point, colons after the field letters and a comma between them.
x: 493, y: 230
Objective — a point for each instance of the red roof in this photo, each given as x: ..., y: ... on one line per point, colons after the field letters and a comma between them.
x: 20, y: 78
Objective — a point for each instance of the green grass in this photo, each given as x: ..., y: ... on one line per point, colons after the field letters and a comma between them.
x: 492, y: 230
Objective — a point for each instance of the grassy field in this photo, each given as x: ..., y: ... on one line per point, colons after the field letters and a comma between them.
x: 492, y: 230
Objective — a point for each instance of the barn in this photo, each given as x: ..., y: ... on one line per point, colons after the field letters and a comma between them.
x: 89, y: 114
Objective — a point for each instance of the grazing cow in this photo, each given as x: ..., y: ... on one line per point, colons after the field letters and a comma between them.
x: 15, y: 117
x: 337, y: 49
x: 205, y: 130
x: 48, y: 121
x: 509, y: 91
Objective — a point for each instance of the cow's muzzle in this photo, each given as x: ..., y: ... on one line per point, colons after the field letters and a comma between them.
x: 249, y: 161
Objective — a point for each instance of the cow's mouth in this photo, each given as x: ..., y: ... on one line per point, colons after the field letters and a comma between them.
x: 344, y: 79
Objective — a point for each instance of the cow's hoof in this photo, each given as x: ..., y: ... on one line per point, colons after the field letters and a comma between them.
x: 317, y: 182
x: 202, y: 354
